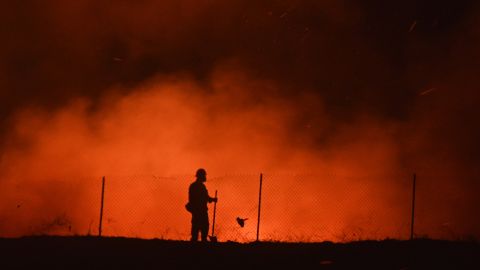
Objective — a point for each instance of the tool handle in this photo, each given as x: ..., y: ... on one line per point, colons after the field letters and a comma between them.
x: 214, y: 213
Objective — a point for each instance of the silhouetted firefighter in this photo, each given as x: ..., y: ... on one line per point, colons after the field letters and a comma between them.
x: 198, y: 199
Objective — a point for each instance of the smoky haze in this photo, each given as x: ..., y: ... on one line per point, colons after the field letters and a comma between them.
x: 366, y: 92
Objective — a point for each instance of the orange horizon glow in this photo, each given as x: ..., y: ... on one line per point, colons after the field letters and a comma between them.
x: 336, y: 103
x: 149, y: 143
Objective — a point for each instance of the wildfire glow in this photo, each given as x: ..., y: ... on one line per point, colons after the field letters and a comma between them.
x: 322, y: 97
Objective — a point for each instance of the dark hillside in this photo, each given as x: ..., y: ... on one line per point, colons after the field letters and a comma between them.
x: 124, y: 253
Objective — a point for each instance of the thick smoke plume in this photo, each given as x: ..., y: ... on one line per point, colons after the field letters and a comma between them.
x: 338, y: 104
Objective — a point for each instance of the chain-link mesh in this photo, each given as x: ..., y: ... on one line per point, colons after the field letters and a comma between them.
x: 50, y: 206
x: 294, y: 207
x: 305, y: 208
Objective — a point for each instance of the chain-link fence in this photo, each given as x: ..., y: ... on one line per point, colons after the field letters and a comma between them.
x: 293, y: 207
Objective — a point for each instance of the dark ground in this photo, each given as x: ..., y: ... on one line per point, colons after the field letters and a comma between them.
x: 50, y: 252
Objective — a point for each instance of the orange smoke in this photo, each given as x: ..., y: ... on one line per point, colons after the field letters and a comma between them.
x: 321, y: 97
x: 149, y: 143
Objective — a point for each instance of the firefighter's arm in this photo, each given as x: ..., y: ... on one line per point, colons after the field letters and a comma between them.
x: 210, y: 199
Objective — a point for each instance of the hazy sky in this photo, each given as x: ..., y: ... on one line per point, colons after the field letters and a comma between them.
x: 369, y: 55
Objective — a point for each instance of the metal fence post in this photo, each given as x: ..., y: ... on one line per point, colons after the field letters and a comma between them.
x: 101, y: 207
x: 259, y: 206
x: 413, y: 206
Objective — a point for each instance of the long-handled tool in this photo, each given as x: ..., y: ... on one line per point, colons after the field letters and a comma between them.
x: 213, y: 238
